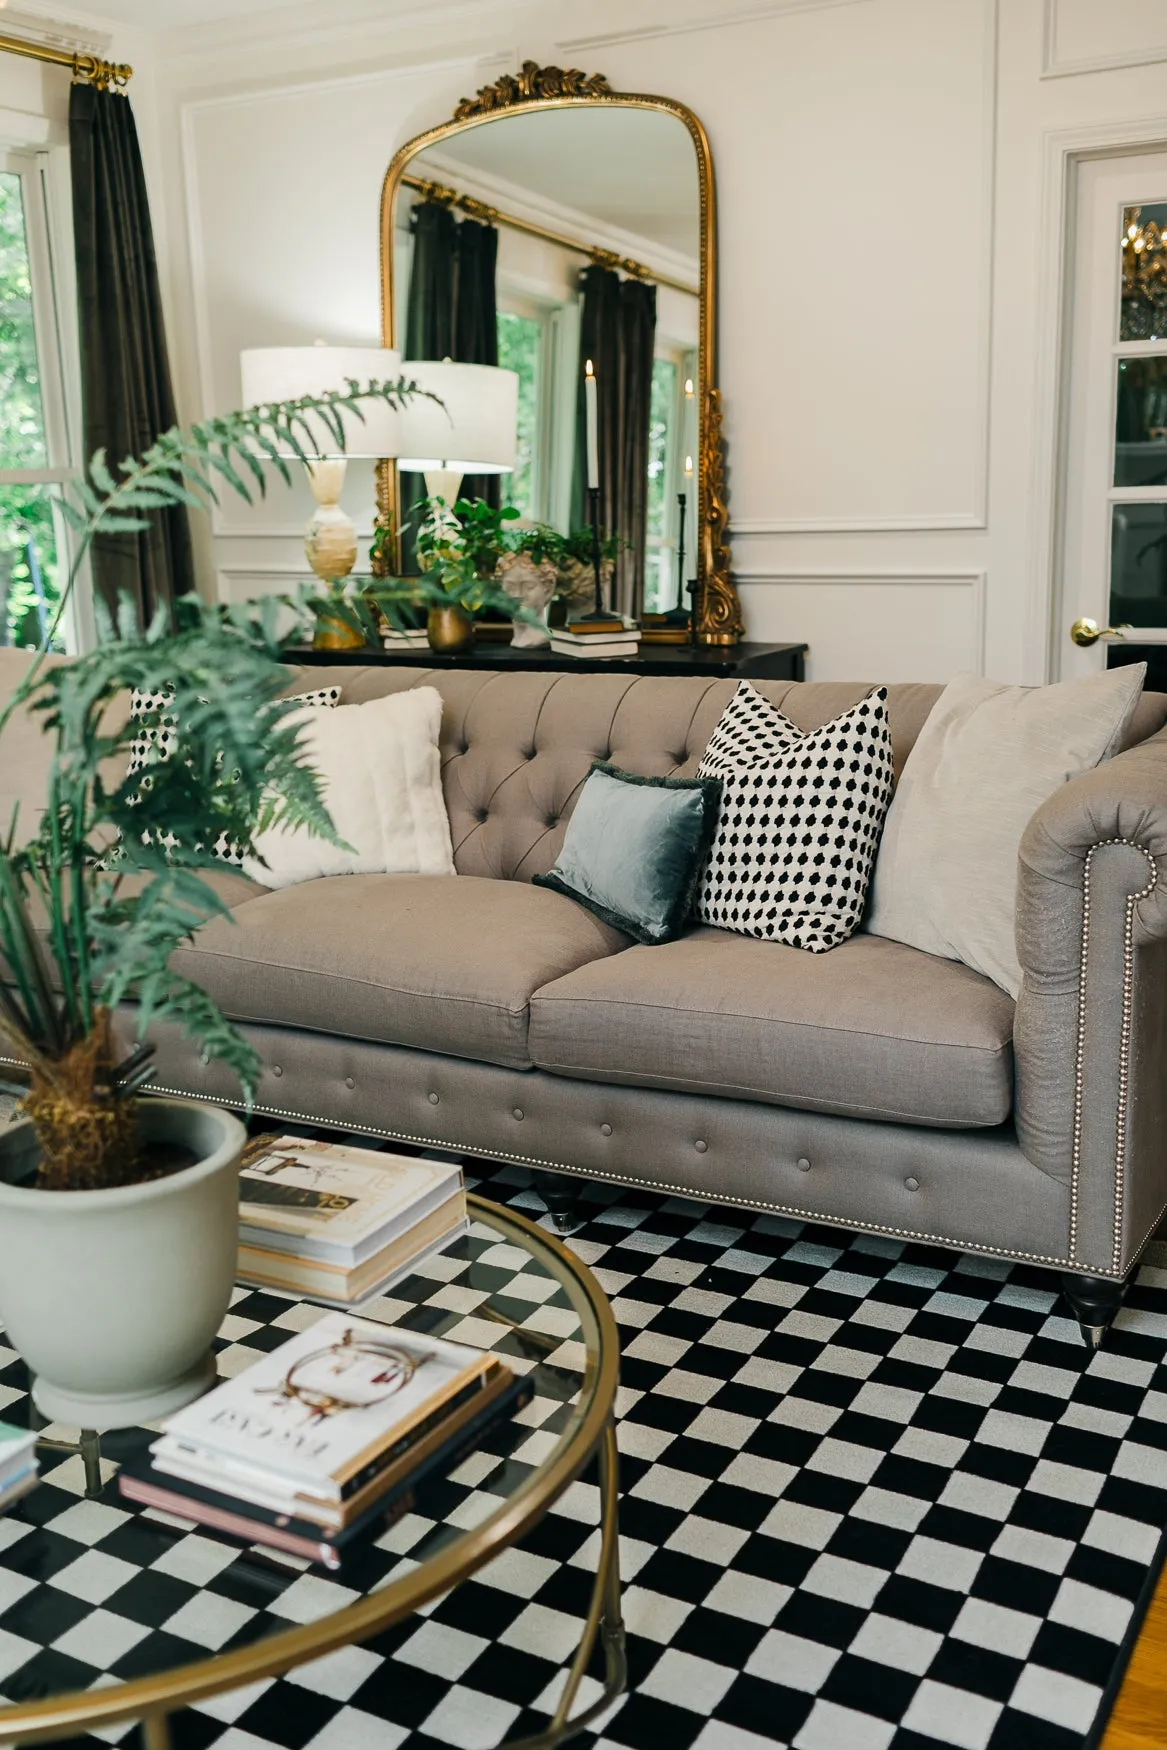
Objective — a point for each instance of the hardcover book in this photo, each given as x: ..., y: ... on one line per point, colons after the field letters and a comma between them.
x: 318, y: 1417
x: 333, y: 1202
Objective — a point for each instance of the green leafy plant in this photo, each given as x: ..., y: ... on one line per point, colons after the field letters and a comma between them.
x: 484, y: 539
x: 450, y: 557
x: 112, y: 881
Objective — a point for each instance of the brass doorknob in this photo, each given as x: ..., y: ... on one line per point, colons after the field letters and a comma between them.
x: 1087, y: 632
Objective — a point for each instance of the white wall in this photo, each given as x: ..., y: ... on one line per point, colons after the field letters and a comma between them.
x: 890, y: 200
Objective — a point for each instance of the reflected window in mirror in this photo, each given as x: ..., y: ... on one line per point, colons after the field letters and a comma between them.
x: 522, y: 348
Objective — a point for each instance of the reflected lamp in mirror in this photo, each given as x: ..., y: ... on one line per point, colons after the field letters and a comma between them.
x: 285, y: 373
x: 472, y: 427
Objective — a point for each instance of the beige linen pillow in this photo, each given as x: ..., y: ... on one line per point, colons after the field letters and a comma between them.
x: 986, y: 759
x: 382, y: 784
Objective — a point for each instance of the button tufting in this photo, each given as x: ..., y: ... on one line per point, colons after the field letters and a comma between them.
x: 701, y: 1147
x: 465, y: 747
x: 480, y: 815
x: 552, y: 820
x: 912, y: 1184
x: 433, y: 1099
x: 276, y: 1070
x: 605, y: 1130
x: 349, y: 1082
x: 803, y: 1164
x: 518, y: 1113
x: 530, y: 754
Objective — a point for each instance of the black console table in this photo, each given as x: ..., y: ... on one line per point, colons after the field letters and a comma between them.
x: 771, y: 662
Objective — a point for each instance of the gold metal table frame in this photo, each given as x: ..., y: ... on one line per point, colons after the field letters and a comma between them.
x: 150, y: 1700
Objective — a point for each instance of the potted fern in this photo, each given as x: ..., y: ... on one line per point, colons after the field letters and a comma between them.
x: 118, y: 1220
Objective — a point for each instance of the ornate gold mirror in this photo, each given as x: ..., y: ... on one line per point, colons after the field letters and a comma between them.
x: 550, y: 223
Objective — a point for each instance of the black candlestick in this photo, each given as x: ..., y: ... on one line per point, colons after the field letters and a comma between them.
x: 681, y: 554
x: 599, y: 612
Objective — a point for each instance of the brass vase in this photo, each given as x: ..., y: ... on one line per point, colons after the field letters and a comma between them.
x: 450, y: 630
x: 335, y: 633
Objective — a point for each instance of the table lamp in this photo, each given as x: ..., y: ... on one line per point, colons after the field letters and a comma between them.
x: 473, y: 431
x: 285, y: 373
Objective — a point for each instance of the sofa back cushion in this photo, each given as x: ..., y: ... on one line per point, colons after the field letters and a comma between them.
x: 517, y: 747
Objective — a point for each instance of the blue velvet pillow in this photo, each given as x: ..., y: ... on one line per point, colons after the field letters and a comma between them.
x: 634, y: 849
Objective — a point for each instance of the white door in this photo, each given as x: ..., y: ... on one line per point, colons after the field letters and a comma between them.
x: 1114, y: 501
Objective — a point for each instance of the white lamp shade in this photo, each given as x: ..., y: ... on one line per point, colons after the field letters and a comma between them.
x: 286, y: 373
x: 474, y: 431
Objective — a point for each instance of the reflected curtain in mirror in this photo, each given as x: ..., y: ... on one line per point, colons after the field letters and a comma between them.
x: 127, y: 397
x: 476, y: 324
x: 617, y: 332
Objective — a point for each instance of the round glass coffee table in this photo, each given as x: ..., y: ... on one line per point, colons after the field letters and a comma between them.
x: 110, y: 1612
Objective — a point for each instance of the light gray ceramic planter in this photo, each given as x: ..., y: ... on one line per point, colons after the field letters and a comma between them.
x: 113, y: 1297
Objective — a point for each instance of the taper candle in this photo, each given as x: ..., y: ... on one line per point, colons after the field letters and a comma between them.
x: 590, y: 410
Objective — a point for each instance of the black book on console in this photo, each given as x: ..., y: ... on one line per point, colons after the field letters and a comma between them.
x: 139, y: 1480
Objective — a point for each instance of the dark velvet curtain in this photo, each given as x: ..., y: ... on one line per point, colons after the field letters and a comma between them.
x: 127, y: 396
x: 429, y: 333
x: 617, y: 332
x: 476, y: 324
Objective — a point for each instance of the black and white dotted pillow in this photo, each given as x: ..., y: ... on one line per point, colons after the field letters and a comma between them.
x: 157, y: 741
x: 799, y: 823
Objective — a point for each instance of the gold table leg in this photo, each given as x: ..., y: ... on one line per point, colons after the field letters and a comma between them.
x: 603, y: 1617
x: 156, y: 1732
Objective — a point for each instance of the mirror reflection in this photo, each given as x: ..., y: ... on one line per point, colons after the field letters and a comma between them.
x: 542, y: 242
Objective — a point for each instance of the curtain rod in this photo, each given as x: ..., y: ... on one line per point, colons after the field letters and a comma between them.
x: 101, y: 73
x: 475, y: 209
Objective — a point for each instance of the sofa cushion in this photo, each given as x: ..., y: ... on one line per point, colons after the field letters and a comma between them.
x: 872, y: 1029
x: 444, y: 963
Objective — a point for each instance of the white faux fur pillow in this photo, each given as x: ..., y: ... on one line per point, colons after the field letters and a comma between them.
x: 382, y: 784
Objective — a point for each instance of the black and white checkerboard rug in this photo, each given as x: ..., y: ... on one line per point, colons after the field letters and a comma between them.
x: 875, y: 1497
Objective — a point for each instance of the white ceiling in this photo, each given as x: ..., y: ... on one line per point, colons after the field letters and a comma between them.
x: 633, y: 169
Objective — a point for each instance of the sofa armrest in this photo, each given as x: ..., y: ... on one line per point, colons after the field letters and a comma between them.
x: 1090, y: 1035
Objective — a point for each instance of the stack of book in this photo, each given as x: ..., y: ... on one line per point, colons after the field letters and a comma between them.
x: 409, y: 638
x: 340, y: 1224
x: 614, y: 637
x: 18, y: 1466
x: 324, y: 1438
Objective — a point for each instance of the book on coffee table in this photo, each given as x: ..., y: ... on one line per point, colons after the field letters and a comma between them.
x: 314, y: 1421
x: 339, y: 1223
x: 371, y: 1511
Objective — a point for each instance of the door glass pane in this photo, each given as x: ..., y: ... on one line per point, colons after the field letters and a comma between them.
x: 22, y: 425
x: 520, y: 349
x: 1138, y: 565
x: 1144, y: 273
x: 29, y: 573
x: 1140, y: 434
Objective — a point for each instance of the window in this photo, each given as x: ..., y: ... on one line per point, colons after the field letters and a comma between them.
x: 32, y: 446
x: 521, y: 349
x: 671, y: 440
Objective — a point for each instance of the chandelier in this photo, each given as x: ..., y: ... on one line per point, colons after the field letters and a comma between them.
x: 1144, y: 278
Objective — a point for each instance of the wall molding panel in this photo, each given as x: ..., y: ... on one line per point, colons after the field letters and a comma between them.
x: 902, y: 624
x: 713, y: 18
x: 1055, y: 65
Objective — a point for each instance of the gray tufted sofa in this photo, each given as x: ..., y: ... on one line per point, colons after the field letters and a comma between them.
x: 874, y: 1086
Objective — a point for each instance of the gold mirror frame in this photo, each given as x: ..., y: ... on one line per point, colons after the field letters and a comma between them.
x: 719, y: 618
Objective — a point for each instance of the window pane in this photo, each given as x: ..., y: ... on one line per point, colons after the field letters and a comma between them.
x: 22, y: 426
x: 30, y: 577
x: 1140, y: 436
x: 1138, y: 565
x: 520, y: 347
x: 662, y: 414
x: 1144, y: 273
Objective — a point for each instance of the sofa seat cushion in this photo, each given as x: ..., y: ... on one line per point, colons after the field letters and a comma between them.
x: 872, y: 1030
x: 441, y: 962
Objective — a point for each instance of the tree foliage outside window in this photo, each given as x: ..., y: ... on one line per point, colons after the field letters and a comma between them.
x: 29, y: 572
x: 660, y: 582
x: 520, y: 348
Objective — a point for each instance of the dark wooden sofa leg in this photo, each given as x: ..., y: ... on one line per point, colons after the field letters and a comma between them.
x: 560, y: 1193
x: 1094, y: 1300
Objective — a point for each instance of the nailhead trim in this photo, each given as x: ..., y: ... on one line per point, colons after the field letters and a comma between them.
x: 608, y: 1177
x: 1123, y: 1054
